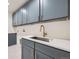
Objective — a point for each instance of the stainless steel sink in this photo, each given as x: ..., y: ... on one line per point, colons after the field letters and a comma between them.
x: 40, y: 38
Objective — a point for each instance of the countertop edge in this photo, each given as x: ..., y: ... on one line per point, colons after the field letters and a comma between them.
x: 46, y: 43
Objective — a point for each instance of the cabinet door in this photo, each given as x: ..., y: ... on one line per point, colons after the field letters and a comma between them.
x: 19, y: 17
x: 27, y: 53
x: 33, y: 11
x: 53, y: 52
x: 39, y: 55
x: 14, y: 19
x: 54, y: 9
x: 24, y: 11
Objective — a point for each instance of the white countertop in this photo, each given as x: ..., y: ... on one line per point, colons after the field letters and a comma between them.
x: 57, y: 43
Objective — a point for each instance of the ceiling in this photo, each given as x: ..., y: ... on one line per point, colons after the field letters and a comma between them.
x: 15, y: 4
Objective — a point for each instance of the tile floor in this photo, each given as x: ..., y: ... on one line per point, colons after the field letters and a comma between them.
x: 14, y: 52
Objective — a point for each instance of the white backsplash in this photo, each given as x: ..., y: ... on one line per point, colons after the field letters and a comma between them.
x: 58, y: 29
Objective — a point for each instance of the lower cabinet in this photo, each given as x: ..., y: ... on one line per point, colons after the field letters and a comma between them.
x: 33, y: 50
x: 27, y: 53
x: 27, y: 49
x: 52, y: 52
x: 39, y: 55
x: 12, y: 39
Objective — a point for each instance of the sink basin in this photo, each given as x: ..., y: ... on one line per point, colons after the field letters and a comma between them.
x: 40, y: 38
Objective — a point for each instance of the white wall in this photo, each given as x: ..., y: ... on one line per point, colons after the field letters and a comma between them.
x: 14, y: 52
x: 56, y: 29
x: 10, y: 27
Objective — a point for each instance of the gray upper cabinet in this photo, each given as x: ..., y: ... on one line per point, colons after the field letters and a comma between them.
x: 24, y: 11
x: 40, y: 10
x: 51, y: 9
x: 19, y: 17
x: 39, y: 55
x: 15, y: 19
x: 33, y: 11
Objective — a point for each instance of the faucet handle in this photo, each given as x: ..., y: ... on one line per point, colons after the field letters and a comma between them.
x: 44, y: 34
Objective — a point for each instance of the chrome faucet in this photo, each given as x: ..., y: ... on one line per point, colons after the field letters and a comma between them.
x: 44, y: 33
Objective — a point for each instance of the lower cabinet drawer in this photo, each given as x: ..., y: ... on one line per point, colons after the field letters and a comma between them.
x: 53, y: 52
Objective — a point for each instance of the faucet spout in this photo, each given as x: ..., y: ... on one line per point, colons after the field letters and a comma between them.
x: 42, y: 26
x: 44, y: 33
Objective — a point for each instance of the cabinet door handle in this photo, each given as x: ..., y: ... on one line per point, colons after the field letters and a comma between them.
x: 38, y: 18
x: 32, y: 54
x: 53, y: 57
x: 41, y: 17
x: 35, y: 55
